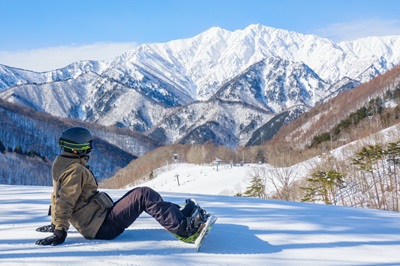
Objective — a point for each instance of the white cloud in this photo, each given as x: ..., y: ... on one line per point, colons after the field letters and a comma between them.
x: 51, y: 58
x: 359, y: 29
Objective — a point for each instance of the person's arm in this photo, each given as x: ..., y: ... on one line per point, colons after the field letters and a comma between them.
x: 68, y: 190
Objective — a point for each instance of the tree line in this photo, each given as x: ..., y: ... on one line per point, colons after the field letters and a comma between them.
x: 370, y: 180
x: 18, y: 149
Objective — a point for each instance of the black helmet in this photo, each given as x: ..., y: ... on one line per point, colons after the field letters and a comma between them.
x: 77, y: 140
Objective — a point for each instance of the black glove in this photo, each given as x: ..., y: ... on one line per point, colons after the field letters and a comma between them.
x: 46, y: 228
x: 57, y: 238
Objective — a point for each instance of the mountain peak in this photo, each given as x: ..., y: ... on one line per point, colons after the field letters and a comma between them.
x: 144, y: 88
x: 261, y: 28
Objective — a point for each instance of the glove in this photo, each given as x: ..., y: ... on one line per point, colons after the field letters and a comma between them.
x: 57, y: 238
x: 46, y: 228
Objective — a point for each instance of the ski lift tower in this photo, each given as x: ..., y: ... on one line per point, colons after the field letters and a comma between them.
x: 176, y: 165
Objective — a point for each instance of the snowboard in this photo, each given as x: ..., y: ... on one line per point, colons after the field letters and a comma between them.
x: 205, y: 231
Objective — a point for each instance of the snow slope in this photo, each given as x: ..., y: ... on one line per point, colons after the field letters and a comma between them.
x: 248, y: 231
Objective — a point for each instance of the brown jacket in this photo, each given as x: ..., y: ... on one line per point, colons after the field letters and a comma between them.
x: 75, y: 198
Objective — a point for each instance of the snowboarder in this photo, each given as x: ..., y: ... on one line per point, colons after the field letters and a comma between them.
x: 76, y: 200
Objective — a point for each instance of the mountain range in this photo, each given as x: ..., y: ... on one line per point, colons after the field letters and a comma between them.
x: 219, y: 85
x: 31, y: 141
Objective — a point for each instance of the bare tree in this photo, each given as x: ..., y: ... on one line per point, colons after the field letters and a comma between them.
x: 282, y: 179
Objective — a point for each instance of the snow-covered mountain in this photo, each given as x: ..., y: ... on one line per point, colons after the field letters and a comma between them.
x: 259, y: 68
x: 36, y: 135
x: 10, y: 76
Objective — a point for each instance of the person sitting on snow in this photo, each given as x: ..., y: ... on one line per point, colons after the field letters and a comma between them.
x: 76, y: 200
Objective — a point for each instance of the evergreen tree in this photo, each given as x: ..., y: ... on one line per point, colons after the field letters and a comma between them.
x: 368, y: 161
x: 2, y: 147
x: 393, y: 154
x: 33, y: 153
x: 18, y: 150
x: 323, y: 187
x: 260, y: 157
x: 256, y: 189
x: 151, y: 175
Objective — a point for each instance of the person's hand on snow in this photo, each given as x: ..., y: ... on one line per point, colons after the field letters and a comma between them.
x: 57, y: 238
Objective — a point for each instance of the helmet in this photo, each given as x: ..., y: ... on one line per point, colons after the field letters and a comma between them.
x: 77, y: 140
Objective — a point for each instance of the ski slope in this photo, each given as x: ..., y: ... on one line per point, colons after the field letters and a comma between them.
x: 248, y: 231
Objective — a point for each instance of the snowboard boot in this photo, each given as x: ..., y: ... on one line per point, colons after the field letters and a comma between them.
x: 196, y: 218
x: 188, y: 207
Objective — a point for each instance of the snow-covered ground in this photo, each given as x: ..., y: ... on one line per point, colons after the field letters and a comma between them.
x: 248, y: 231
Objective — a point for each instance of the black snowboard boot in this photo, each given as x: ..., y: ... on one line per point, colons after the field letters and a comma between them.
x: 195, y: 216
x: 188, y: 207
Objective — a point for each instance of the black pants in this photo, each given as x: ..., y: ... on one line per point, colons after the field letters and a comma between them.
x: 143, y: 199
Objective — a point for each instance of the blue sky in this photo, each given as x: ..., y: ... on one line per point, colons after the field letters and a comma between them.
x: 46, y: 34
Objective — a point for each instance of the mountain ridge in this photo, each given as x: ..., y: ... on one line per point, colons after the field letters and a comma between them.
x: 138, y: 89
x: 37, y: 133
